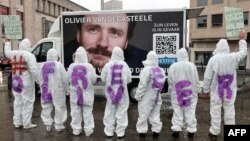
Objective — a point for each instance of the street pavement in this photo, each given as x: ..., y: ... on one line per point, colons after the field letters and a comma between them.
x: 9, y: 133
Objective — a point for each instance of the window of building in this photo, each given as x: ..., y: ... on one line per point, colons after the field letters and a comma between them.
x: 49, y: 7
x: 21, y: 19
x: 246, y: 17
x: 44, y: 1
x: 59, y: 10
x: 217, y: 1
x: 201, y: 2
x: 19, y: 2
x: 20, y: 15
x: 47, y: 26
x: 217, y: 20
x: 54, y: 5
x: 4, y: 10
x: 202, y: 58
x: 202, y: 21
x: 37, y: 5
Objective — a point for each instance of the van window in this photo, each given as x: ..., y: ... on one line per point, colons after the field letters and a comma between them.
x: 41, y: 50
x: 44, y: 50
x: 36, y: 51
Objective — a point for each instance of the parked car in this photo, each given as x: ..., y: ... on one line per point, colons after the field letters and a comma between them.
x: 4, y: 62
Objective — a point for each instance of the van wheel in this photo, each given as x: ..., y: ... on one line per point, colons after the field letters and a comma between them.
x: 132, y: 92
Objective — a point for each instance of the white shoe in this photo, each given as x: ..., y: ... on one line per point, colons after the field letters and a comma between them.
x: 88, y: 133
x: 48, y: 127
x: 30, y: 126
x: 58, y: 129
x: 18, y: 126
x: 76, y: 132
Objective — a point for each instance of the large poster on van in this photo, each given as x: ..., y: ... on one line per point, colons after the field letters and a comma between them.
x: 135, y: 32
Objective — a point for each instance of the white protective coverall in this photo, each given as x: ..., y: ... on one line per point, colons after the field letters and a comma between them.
x: 24, y: 75
x: 82, y: 76
x: 184, y: 86
x: 117, y: 75
x: 148, y: 94
x: 220, y: 81
x: 54, y: 87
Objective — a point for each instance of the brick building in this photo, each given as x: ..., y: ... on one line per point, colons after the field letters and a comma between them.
x: 206, y: 30
x: 36, y: 16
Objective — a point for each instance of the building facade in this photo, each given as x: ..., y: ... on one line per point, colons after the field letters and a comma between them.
x: 37, y: 16
x: 113, y: 5
x: 206, y: 30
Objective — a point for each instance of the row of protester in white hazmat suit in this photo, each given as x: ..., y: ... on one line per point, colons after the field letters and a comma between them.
x: 55, y: 83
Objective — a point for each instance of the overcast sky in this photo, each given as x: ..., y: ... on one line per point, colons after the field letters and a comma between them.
x: 95, y: 5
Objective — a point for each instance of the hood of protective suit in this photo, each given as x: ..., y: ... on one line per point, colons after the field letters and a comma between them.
x: 221, y: 47
x: 7, y: 44
x: 182, y: 55
x: 152, y: 59
x: 117, y: 54
x: 25, y: 44
x: 52, y: 55
x: 81, y: 55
